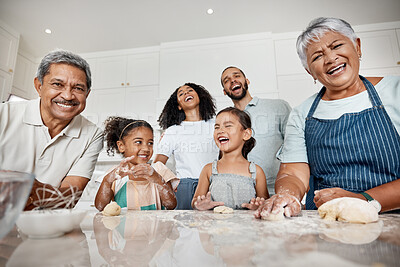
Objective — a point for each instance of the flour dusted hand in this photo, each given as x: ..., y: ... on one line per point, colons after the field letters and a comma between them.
x: 291, y: 206
x: 204, y: 202
x: 346, y: 209
x: 274, y: 217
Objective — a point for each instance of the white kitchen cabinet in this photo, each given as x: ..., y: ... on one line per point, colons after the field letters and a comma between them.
x: 9, y: 41
x: 25, y: 72
x: 8, y: 49
x: 126, y: 70
x: 101, y: 104
x: 140, y: 103
x: 297, y: 88
x: 5, y: 85
x: 287, y: 60
x: 380, y: 49
x: 204, y: 60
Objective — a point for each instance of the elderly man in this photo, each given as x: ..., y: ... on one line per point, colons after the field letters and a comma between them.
x: 48, y: 136
x: 268, y: 117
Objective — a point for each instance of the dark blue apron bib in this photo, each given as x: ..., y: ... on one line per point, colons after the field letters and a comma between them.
x: 355, y: 152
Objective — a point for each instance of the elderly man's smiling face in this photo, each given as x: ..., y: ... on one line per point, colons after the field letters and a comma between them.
x: 63, y: 93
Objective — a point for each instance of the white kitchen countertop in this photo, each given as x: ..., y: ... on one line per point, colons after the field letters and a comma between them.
x: 195, y: 238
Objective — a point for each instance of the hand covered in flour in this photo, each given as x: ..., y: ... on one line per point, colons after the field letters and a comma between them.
x: 290, y: 204
x: 146, y: 171
x: 125, y: 168
x: 204, y: 202
x: 254, y: 203
x: 324, y: 195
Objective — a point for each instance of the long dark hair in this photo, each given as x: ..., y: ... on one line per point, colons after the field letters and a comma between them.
x: 245, y: 121
x: 116, y: 128
x: 171, y: 115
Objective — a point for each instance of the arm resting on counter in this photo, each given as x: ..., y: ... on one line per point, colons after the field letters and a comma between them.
x: 70, y: 185
x: 291, y: 184
x: 387, y: 195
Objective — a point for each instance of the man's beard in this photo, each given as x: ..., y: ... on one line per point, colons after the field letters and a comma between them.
x: 239, y: 97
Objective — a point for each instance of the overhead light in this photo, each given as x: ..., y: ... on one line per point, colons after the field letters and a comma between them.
x: 48, y: 31
x: 210, y: 11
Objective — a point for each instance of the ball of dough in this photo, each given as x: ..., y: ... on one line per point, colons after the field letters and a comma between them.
x: 112, y: 209
x: 274, y: 217
x: 223, y: 209
x: 348, y: 209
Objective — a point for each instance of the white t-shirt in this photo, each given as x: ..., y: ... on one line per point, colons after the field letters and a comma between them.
x: 294, y: 147
x: 192, y: 145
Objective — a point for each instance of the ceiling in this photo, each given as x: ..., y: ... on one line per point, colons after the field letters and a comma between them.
x: 84, y: 26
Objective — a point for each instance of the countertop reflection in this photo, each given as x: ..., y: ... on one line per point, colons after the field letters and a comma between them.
x: 193, y: 238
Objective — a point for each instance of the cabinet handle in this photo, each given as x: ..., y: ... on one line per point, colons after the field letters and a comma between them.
x: 398, y: 62
x: 10, y: 70
x: 127, y: 84
x: 122, y: 84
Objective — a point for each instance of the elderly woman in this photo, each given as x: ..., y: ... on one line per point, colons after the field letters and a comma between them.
x: 343, y: 141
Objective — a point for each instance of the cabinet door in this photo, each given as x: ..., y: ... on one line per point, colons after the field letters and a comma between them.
x: 203, y: 64
x: 5, y: 85
x: 23, y: 78
x: 104, y: 103
x: 8, y: 50
x: 380, y: 49
x: 110, y: 72
x: 287, y: 60
x: 140, y: 103
x: 142, y: 69
x: 297, y: 88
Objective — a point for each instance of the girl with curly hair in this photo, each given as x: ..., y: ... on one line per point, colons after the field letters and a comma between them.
x: 232, y: 180
x: 187, y: 119
x: 134, y: 183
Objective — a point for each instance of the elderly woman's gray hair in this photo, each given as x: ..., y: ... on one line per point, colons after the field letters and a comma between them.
x: 316, y: 29
x: 64, y: 57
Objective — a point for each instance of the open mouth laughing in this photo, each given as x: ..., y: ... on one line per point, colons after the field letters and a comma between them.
x: 337, y: 69
x: 223, y: 140
x: 236, y: 87
x: 188, y: 98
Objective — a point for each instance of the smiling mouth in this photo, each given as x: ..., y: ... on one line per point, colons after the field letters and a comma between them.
x: 143, y: 156
x: 223, y: 140
x: 188, y: 98
x: 66, y: 104
x: 337, y: 69
x: 235, y: 88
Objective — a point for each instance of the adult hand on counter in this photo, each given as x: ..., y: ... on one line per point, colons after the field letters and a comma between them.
x: 324, y: 195
x: 204, y: 202
x: 290, y: 204
x: 254, y: 203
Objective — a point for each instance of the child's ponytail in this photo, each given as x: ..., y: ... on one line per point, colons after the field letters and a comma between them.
x: 248, y: 146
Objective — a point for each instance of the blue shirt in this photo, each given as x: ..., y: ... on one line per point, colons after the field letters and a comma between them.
x: 268, y: 120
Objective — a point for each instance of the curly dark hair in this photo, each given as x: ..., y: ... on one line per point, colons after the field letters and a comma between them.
x: 171, y: 115
x: 116, y: 128
x: 245, y: 121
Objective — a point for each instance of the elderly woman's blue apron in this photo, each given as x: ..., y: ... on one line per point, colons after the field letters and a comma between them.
x: 355, y: 152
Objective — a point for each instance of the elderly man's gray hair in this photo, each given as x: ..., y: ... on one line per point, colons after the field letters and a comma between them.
x: 64, y: 57
x: 316, y: 29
